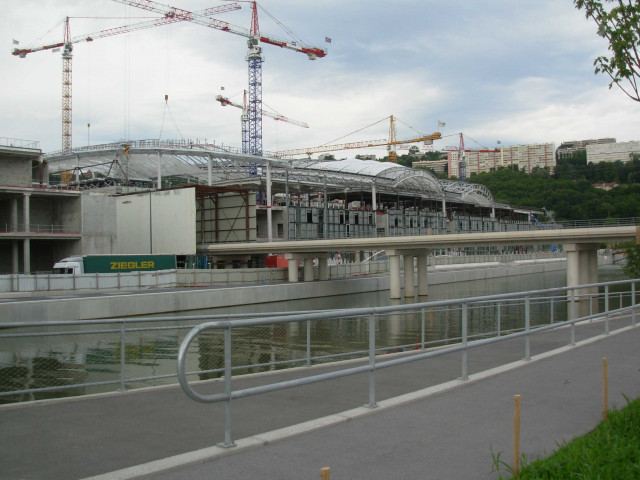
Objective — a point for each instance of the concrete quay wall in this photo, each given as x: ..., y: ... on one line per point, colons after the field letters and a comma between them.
x: 172, y: 301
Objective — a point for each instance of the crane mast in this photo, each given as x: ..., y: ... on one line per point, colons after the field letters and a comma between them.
x: 67, y: 54
x: 255, y: 39
x: 254, y: 59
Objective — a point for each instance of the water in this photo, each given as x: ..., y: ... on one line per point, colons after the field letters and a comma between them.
x: 78, y: 355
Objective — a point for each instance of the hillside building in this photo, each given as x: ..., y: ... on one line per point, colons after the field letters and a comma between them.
x: 525, y: 157
x: 612, y: 152
x: 568, y: 148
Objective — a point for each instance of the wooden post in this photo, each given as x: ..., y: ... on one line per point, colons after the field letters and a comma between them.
x: 516, y: 435
x: 605, y: 389
x: 324, y: 473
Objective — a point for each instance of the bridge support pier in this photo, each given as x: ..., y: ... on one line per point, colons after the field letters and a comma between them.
x: 582, y: 269
x: 395, y: 290
x: 307, y: 275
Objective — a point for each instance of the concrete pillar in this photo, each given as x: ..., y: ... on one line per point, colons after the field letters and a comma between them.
x: 15, y: 257
x: 269, y: 213
x: 26, y: 246
x: 423, y: 288
x: 582, y: 269
x: 374, y: 200
x: 323, y: 268
x: 25, y: 211
x: 209, y: 171
x: 293, y: 269
x: 26, y: 255
x: 409, y: 290
x: 159, y: 169
x: 308, y: 269
x: 394, y: 273
x: 14, y: 215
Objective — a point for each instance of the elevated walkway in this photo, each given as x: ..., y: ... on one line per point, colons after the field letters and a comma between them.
x: 428, y: 423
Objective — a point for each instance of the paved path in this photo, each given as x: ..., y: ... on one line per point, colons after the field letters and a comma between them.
x: 446, y: 428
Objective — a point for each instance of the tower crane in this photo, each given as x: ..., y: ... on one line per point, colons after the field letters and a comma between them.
x: 462, y: 161
x: 391, y: 143
x: 254, y: 58
x: 67, y: 55
x: 224, y: 101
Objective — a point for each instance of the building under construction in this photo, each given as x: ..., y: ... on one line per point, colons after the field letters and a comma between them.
x: 173, y: 197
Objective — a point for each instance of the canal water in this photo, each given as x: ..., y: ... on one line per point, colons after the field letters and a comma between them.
x: 75, y: 355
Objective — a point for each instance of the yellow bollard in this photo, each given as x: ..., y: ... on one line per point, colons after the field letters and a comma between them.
x: 605, y: 389
x: 325, y: 474
x: 516, y: 435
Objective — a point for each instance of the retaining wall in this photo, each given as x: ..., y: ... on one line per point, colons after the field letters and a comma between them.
x: 170, y: 302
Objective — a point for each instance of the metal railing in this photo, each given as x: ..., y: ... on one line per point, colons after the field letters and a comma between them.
x: 40, y: 360
x: 18, y: 143
x: 571, y: 296
x: 37, y: 228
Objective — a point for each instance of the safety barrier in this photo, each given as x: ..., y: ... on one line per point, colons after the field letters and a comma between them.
x: 570, y: 295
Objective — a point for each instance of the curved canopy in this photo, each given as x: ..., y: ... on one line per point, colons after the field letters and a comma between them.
x: 216, y: 164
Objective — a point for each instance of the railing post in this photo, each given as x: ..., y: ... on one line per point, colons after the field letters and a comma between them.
x: 606, y: 309
x: 228, y: 438
x: 633, y: 303
x: 308, y: 343
x: 551, y: 313
x: 527, y: 327
x: 122, y: 356
x: 572, y: 307
x: 465, y: 375
x: 372, y: 361
x: 423, y: 312
x: 499, y: 317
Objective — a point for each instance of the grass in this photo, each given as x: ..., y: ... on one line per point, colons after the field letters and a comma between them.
x: 610, y: 451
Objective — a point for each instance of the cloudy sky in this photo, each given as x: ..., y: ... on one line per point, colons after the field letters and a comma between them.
x: 510, y: 70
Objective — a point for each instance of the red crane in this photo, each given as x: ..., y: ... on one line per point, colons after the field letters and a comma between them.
x: 254, y: 57
x: 67, y: 45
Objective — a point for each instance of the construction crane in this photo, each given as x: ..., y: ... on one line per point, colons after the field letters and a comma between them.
x: 254, y: 58
x: 67, y: 55
x: 391, y: 143
x: 462, y: 161
x: 224, y: 101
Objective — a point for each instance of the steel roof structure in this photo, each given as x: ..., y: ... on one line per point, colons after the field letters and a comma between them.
x: 211, y: 164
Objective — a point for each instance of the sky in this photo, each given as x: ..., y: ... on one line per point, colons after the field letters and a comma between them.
x: 509, y: 71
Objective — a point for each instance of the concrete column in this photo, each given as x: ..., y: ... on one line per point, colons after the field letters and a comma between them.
x: 14, y: 215
x: 159, y: 169
x: 308, y: 269
x: 423, y: 288
x: 26, y: 255
x: 26, y: 217
x: 374, y: 200
x: 209, y: 171
x: 15, y: 257
x: 394, y: 273
x: 409, y: 290
x: 26, y: 246
x: 269, y: 213
x: 582, y: 269
x: 323, y: 268
x: 293, y: 269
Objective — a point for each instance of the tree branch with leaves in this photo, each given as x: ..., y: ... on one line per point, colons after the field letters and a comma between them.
x: 618, y: 21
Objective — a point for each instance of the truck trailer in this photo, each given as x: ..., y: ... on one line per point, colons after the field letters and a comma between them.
x: 114, y: 263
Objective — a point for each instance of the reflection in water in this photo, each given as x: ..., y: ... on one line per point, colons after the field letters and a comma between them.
x: 88, y: 357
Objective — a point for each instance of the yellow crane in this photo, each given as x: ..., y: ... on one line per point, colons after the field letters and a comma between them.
x: 391, y: 143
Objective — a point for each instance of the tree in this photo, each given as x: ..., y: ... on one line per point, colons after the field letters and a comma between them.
x: 620, y: 25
